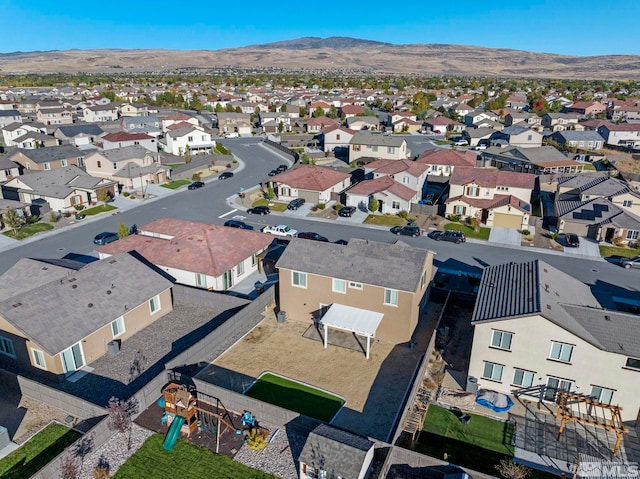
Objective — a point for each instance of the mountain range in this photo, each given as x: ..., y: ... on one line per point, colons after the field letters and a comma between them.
x: 337, y: 54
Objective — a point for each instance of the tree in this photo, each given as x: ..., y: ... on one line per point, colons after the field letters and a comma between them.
x: 283, y: 108
x: 103, y: 195
x: 318, y: 112
x: 374, y: 204
x: 280, y: 127
x: 303, y: 112
x: 13, y: 220
x: 69, y: 468
x: 121, y: 414
x: 218, y: 108
x: 187, y: 154
x: 123, y: 230
x: 511, y: 470
x: 333, y: 112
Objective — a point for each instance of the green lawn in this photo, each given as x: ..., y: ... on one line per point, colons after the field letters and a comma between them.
x: 98, y: 209
x: 296, y: 397
x: 388, y: 220
x: 273, y: 205
x: 175, y: 165
x: 37, y: 452
x: 443, y: 142
x: 174, y: 185
x: 186, y: 461
x: 469, y: 232
x: 29, y: 230
x: 606, y: 251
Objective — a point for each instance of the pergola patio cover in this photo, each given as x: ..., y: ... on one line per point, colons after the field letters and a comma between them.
x: 356, y: 320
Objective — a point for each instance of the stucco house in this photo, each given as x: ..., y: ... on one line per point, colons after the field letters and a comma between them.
x: 207, y: 256
x: 58, y: 316
x: 79, y: 134
x: 406, y: 172
x: 586, y: 108
x: 193, y: 137
x: 9, y: 116
x: 371, y: 123
x: 8, y: 169
x: 336, y: 138
x: 517, y: 135
x: 539, y: 331
x: 130, y: 166
x: 53, y: 113
x: 13, y: 131
x: 123, y: 138
x: 392, y: 196
x: 442, y: 124
x: 442, y: 162
x: 528, y: 119
x: 49, y: 158
x: 313, y: 183
x: 99, y: 113
x: 559, y: 121
x: 494, y: 197
x: 134, y: 109
x: 539, y: 161
x: 368, y: 278
x: 321, y: 123
x: 621, y: 134
x: 378, y: 147
x: 234, y: 123
x: 583, y: 140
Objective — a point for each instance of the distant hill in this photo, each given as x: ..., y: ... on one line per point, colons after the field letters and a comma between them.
x: 333, y: 54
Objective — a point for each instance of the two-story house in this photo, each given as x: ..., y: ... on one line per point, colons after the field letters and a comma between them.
x: 130, y: 166
x: 494, y: 197
x: 13, y: 134
x: 122, y: 138
x: 99, y: 113
x: 53, y: 113
x: 9, y: 116
x: 442, y: 162
x: 234, y: 123
x: 336, y: 138
x: 524, y: 118
x: 134, y: 109
x: 559, y: 121
x: 517, y: 135
x: 315, y: 184
x: 321, y: 123
x: 201, y: 255
x: 406, y: 172
x: 621, y: 134
x: 178, y: 118
x: 377, y: 290
x: 391, y: 195
x: 586, y: 108
x: 539, y: 331
x: 192, y: 137
x: 368, y: 146
x: 49, y: 158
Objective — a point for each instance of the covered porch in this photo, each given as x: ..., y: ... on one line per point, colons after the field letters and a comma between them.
x: 353, y: 320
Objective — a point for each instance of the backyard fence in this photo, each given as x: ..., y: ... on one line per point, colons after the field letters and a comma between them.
x: 287, y: 151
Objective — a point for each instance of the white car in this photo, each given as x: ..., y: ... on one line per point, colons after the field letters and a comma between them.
x: 280, y: 230
x: 232, y: 135
x: 460, y: 142
x: 481, y: 147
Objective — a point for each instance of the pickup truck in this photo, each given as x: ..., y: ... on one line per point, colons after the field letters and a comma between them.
x: 280, y: 230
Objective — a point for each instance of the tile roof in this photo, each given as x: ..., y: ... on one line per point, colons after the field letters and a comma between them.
x: 448, y: 157
x: 388, y: 265
x: 392, y: 167
x: 194, y: 247
x: 383, y: 184
x: 491, y: 203
x: 124, y: 136
x: 76, y: 303
x: 311, y: 177
x: 491, y: 177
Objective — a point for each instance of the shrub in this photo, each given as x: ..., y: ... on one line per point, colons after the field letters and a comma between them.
x: 79, y: 207
x: 635, y: 245
x: 321, y: 206
x: 125, y: 194
x: 132, y: 197
x: 195, y: 177
x: 228, y: 165
x: 257, y: 439
x: 234, y: 161
x: 404, y: 214
x: 374, y: 204
x: 453, y: 217
x: 53, y: 217
x: 33, y: 219
x: 553, y: 236
x: 526, y: 232
x: 618, y: 241
x: 338, y: 206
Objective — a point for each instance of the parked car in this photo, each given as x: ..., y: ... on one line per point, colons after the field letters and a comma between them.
x: 273, y: 172
x: 225, y: 175
x: 259, y: 210
x: 279, y: 230
x: 347, y: 211
x: 480, y: 147
x: 312, y: 236
x: 282, y: 168
x: 238, y: 224
x: 295, y: 203
x: 571, y: 240
x: 460, y: 142
x: 233, y: 134
x: 105, y: 237
x: 195, y: 185
x: 629, y: 263
x: 406, y: 230
x: 454, y: 236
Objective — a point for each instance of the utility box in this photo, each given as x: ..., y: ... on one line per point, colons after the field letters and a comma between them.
x: 472, y: 384
x: 4, y: 437
x: 281, y: 316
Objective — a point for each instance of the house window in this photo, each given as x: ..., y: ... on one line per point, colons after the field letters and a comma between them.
x: 354, y: 285
x: 189, y: 138
x: 460, y: 210
x: 38, y: 359
x: 523, y: 378
x: 529, y: 137
x: 627, y: 203
x: 356, y: 147
x: 299, y: 279
x: 501, y: 340
x: 47, y: 166
x: 27, y: 165
x: 117, y: 327
x: 423, y: 279
x: 602, y: 394
x: 632, y: 363
x: 632, y: 234
x: 73, y: 358
x: 554, y: 386
x: 63, y: 163
x: 561, y: 352
x: 154, y: 304
x: 81, y: 161
x: 395, y: 205
x: 339, y: 286
x: 391, y: 297
x: 374, y: 148
x: 391, y: 150
x: 405, y: 180
x: 254, y: 259
x: 492, y: 371
x: 6, y: 347
x: 99, y: 163
x: 201, y: 280
x: 472, y: 191
x: 240, y: 269
x: 337, y: 137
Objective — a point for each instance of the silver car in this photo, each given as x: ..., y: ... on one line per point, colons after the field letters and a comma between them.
x: 629, y: 263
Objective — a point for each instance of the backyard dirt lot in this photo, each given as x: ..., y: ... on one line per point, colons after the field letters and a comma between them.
x: 373, y: 388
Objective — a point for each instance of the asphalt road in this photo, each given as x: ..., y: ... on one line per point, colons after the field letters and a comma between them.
x: 209, y: 203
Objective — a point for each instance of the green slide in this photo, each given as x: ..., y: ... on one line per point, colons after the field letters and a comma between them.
x: 173, y: 434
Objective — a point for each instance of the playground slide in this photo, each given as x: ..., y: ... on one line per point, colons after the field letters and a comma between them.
x: 173, y: 434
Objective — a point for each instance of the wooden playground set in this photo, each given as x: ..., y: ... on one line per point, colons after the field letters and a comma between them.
x: 187, y: 415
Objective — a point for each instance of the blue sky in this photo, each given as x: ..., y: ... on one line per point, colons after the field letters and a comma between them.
x: 572, y: 27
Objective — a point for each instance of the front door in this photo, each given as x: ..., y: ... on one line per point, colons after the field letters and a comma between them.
x: 608, y: 237
x: 72, y: 358
x: 227, y: 280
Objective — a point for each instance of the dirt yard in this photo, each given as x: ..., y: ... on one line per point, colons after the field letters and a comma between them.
x: 373, y: 388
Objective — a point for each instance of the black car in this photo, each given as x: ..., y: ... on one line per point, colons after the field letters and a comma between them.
x: 347, y: 211
x: 454, y: 236
x: 259, y: 210
x: 571, y: 240
x: 238, y: 224
x: 312, y: 236
x: 195, y: 185
x: 295, y: 204
x: 105, y: 237
x: 282, y: 168
x: 406, y: 230
x: 273, y: 172
x: 225, y: 175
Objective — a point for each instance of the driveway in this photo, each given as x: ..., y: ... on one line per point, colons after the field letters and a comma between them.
x: 301, y: 212
x: 357, y: 218
x: 588, y: 249
x: 505, y: 236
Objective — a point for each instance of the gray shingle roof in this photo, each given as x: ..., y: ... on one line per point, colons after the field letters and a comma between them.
x: 51, y: 153
x: 587, y: 135
x: 376, y: 140
x: 60, y: 306
x: 337, y: 452
x: 395, y: 266
x: 125, y: 153
x: 70, y: 131
x: 60, y: 182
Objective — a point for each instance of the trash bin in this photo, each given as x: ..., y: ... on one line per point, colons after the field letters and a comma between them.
x: 281, y: 316
x: 472, y: 384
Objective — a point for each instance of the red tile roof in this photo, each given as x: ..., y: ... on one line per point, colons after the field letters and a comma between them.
x: 448, y: 157
x: 311, y: 177
x: 392, y: 167
x: 491, y: 177
x: 491, y: 203
x: 124, y: 136
x: 178, y: 117
x: 352, y: 109
x: 194, y: 247
x: 381, y: 185
x: 322, y: 121
x: 177, y: 126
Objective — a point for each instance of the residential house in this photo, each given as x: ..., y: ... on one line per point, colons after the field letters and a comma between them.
x: 473, y: 136
x: 583, y: 140
x: 559, y: 121
x: 598, y: 207
x: 275, y: 122
x: 336, y: 138
x: 22, y: 210
x: 201, y: 255
x: 392, y: 196
x: 629, y: 112
x: 134, y: 109
x: 9, y: 116
x: 122, y: 138
x: 321, y: 123
x: 538, y: 331
x: 34, y: 139
x: 461, y: 110
x: 377, y: 147
x: 442, y: 124
x: 586, y: 108
x: 364, y: 279
x: 234, y: 123
x: 8, y: 169
x: 14, y: 135
x: 63, y: 188
x: 134, y: 124
x: 100, y: 113
x: 371, y: 123
x: 58, y: 316
x: 332, y: 452
x: 313, y: 183
x: 49, y: 158
x: 80, y: 135
x: 493, y: 197
x: 472, y: 118
x: 524, y: 118
x: 352, y: 110
x: 192, y: 137
x: 621, y: 134
x: 8, y: 105
x: 406, y: 172
x: 517, y: 135
x: 323, y: 105
x: 441, y: 162
x: 53, y: 113
x: 542, y: 160
x: 406, y: 125
x: 130, y: 166
x: 178, y: 118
